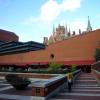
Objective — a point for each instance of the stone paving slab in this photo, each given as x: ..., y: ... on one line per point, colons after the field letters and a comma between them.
x: 4, y: 82
x: 7, y: 92
x: 81, y: 94
x: 7, y: 99
x: 85, y: 88
x: 61, y: 99
x: 3, y: 86
x: 82, y: 90
x: 75, y: 97
x: 12, y: 91
x: 85, y: 85
x: 14, y: 97
x: 88, y: 78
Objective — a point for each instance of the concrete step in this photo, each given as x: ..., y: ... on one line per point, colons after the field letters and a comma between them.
x: 76, y: 96
x: 83, y: 91
x: 85, y: 88
x: 86, y: 78
x: 85, y: 85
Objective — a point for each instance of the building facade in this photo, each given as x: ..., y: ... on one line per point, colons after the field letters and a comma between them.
x: 6, y: 36
x: 77, y: 50
x: 61, y: 33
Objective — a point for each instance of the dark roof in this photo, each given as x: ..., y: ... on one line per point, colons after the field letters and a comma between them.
x: 13, y: 47
x: 5, y: 31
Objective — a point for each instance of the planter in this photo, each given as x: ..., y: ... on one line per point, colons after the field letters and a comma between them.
x: 17, y: 82
x: 20, y: 86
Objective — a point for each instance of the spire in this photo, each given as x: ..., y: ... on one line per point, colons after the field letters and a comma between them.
x: 51, y: 39
x: 45, y: 42
x: 73, y: 33
x: 66, y: 30
x: 69, y: 30
x: 80, y: 31
x: 53, y: 29
x: 89, y: 28
x: 69, y: 34
x: 54, y: 32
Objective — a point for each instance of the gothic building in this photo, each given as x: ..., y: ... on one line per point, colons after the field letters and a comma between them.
x: 61, y: 33
x: 89, y: 28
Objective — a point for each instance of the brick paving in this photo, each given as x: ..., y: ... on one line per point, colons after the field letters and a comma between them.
x: 85, y: 88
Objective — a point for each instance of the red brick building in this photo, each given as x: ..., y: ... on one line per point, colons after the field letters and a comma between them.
x: 78, y: 50
x: 6, y: 36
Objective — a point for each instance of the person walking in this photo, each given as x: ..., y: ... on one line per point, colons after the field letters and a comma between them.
x: 69, y: 80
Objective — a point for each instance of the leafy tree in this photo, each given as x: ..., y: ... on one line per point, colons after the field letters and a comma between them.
x: 73, y: 67
x: 97, y: 54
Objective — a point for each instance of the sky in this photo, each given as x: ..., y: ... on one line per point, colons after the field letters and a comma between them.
x: 32, y: 20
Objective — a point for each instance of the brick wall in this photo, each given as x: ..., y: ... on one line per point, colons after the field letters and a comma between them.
x: 79, y: 49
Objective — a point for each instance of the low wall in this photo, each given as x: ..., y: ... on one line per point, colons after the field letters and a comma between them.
x: 29, y: 75
x: 97, y: 75
x: 76, y: 74
x: 42, y: 90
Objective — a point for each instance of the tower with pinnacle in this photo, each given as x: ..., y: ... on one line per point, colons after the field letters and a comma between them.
x: 89, y: 28
x: 61, y: 33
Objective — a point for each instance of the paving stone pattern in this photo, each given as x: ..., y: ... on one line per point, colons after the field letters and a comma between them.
x: 85, y: 88
x: 7, y: 92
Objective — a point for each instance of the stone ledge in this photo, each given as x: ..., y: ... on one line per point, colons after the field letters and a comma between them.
x: 97, y: 75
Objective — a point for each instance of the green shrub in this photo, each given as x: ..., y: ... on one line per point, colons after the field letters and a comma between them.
x: 97, y: 54
x: 73, y: 68
x: 55, y: 67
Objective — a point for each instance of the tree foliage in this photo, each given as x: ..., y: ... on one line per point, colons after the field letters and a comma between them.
x: 54, y: 66
x: 73, y: 67
x: 97, y: 54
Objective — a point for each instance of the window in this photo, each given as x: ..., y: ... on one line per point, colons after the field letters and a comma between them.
x: 37, y: 91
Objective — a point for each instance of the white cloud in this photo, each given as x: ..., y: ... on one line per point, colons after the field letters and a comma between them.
x: 51, y: 9
x: 70, y: 5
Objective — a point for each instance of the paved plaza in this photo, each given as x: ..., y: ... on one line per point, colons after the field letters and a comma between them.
x: 7, y: 92
x: 84, y: 88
